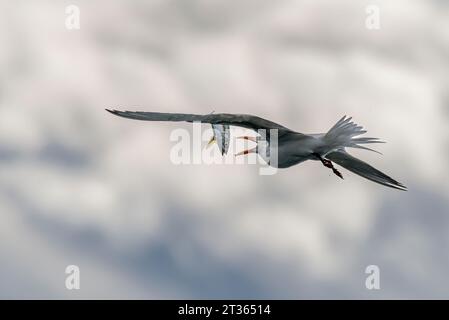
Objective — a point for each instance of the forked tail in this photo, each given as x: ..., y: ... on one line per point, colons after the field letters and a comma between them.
x: 344, y: 135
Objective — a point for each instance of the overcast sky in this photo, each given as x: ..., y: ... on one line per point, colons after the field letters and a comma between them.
x: 79, y: 186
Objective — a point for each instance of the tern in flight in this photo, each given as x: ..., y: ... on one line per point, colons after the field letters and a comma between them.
x: 292, y: 147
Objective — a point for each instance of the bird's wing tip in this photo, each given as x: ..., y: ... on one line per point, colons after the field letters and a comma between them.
x: 400, y: 186
x: 113, y: 111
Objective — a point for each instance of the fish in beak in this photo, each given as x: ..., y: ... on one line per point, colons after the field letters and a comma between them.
x: 221, y: 137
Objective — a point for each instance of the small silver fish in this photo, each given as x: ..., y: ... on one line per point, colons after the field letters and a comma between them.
x: 221, y: 137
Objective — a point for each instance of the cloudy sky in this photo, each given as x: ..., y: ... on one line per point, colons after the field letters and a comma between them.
x: 81, y: 187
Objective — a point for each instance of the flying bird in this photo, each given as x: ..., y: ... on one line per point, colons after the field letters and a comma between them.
x: 292, y: 147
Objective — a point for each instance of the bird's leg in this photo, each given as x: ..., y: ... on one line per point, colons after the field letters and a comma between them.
x: 329, y: 164
x: 253, y: 150
x: 325, y: 162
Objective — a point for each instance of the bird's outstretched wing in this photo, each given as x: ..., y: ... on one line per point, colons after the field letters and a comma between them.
x: 240, y: 120
x: 363, y: 169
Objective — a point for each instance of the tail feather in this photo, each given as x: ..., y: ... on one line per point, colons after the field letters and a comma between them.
x: 365, y: 148
x: 345, y: 134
